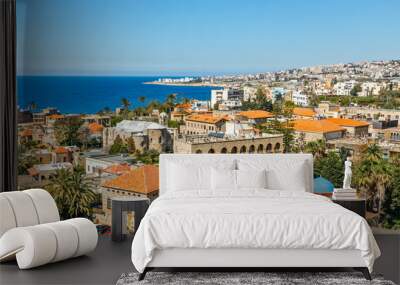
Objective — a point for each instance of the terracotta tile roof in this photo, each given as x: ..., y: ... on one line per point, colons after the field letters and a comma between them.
x: 55, y: 116
x: 184, y: 106
x: 26, y: 133
x: 256, y: 114
x: 316, y: 126
x: 95, y: 127
x: 206, y: 118
x: 61, y: 149
x: 118, y: 169
x: 348, y: 122
x: 144, y: 179
x: 304, y: 112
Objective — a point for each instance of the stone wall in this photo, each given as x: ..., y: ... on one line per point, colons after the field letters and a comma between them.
x: 251, y: 145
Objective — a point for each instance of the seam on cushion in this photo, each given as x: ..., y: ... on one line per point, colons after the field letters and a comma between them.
x: 13, y: 210
x: 34, y: 206
x: 55, y: 235
x: 77, y: 234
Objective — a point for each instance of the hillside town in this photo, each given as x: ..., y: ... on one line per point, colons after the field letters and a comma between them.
x: 341, y: 109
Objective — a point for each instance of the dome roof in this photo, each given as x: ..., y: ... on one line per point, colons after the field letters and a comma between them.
x: 322, y: 185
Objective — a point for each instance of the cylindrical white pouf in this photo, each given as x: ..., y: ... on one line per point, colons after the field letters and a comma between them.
x: 87, y: 235
x: 67, y: 240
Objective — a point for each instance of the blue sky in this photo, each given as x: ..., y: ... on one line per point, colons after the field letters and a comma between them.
x: 181, y: 37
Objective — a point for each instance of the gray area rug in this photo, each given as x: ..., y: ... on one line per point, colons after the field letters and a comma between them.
x: 236, y: 278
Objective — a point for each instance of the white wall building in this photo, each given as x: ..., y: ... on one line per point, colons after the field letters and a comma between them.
x: 218, y: 96
x: 370, y: 89
x: 344, y: 88
x: 300, y: 99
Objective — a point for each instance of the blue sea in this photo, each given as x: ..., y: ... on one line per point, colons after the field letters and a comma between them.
x: 89, y: 94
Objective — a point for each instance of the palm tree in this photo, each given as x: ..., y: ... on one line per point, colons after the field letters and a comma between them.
x: 126, y: 104
x: 373, y: 175
x: 170, y: 102
x: 317, y: 148
x: 72, y: 192
x: 141, y: 99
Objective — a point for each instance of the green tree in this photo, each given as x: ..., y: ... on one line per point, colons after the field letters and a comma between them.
x: 115, y: 120
x: 130, y: 145
x: 125, y: 104
x: 354, y: 91
x: 118, y: 146
x: 72, y: 192
x: 141, y: 99
x: 391, y: 205
x: 372, y: 175
x: 317, y: 148
x: 174, y: 124
x: 148, y: 157
x: 330, y: 167
x: 67, y: 131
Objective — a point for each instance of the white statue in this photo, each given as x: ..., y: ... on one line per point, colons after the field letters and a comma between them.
x: 347, y: 174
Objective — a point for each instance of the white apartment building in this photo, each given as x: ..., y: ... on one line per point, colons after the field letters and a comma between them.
x: 300, y: 99
x: 220, y: 95
x: 249, y: 93
x: 370, y: 89
x: 229, y: 105
x: 344, y: 88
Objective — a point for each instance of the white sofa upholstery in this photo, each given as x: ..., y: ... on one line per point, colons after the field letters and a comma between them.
x: 31, y: 230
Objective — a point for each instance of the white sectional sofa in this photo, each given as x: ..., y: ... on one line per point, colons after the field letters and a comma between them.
x: 31, y: 230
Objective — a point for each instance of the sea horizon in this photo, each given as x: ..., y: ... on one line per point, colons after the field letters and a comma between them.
x: 89, y: 94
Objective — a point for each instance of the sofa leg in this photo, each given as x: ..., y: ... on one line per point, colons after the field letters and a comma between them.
x: 143, y: 274
x: 364, y: 271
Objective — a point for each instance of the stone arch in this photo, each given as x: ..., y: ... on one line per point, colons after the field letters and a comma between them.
x: 260, y: 148
x: 211, y: 150
x: 252, y: 149
x: 234, y: 150
x: 224, y: 150
x: 269, y: 148
x: 243, y: 149
x: 277, y: 147
x: 199, y: 151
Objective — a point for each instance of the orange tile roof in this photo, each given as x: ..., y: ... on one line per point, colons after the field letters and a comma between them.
x: 348, y: 122
x: 184, y: 106
x: 95, y: 127
x: 316, y: 126
x: 256, y: 114
x: 61, y: 149
x: 26, y: 133
x: 55, y: 116
x: 117, y: 169
x: 206, y: 118
x: 144, y: 179
x: 304, y: 112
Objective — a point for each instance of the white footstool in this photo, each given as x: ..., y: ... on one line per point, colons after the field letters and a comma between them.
x: 31, y: 232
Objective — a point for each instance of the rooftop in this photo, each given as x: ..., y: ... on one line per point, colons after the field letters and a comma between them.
x: 95, y: 127
x: 111, y: 158
x: 256, y: 114
x: 48, y: 167
x: 207, y: 118
x: 144, y: 179
x: 138, y: 126
x: 118, y: 169
x: 304, y: 112
x: 61, y: 149
x: 316, y: 126
x: 348, y: 122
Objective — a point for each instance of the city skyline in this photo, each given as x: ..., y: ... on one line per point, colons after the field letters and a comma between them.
x: 167, y: 38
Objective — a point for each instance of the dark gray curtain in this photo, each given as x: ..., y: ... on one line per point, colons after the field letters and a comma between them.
x: 8, y: 102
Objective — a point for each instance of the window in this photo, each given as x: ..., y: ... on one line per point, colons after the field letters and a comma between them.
x: 108, y: 203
